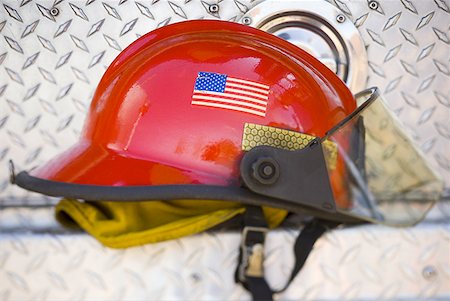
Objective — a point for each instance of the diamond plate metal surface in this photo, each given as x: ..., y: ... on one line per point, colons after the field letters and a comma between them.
x: 50, y: 64
x: 368, y: 262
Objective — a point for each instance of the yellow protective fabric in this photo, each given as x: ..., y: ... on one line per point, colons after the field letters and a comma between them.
x: 128, y: 224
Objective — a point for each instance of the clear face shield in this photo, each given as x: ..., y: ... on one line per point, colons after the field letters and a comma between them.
x: 375, y: 171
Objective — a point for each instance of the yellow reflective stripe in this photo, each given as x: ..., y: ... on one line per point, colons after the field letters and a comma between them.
x: 257, y: 135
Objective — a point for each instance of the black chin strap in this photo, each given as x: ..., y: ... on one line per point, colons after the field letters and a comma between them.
x: 250, y: 271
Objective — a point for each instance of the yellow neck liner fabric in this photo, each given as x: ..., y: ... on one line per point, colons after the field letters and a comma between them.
x: 128, y: 224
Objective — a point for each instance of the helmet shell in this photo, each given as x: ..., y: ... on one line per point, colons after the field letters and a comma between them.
x: 142, y: 128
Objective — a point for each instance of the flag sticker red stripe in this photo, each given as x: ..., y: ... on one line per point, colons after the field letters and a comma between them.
x: 250, y: 83
x: 247, y: 88
x: 216, y: 90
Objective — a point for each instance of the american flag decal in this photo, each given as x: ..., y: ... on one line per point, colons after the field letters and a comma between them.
x: 222, y: 91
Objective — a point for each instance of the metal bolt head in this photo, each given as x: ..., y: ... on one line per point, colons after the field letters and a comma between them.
x: 327, y: 206
x: 196, y: 277
x: 268, y: 170
x: 246, y: 20
x: 265, y: 170
x: 54, y: 11
x: 373, y: 5
x: 340, y: 18
x: 429, y: 272
x: 213, y: 8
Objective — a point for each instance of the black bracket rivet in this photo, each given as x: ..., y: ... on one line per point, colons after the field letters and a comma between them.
x: 266, y: 170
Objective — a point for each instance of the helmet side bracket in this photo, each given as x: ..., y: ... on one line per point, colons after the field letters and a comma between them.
x: 299, y: 177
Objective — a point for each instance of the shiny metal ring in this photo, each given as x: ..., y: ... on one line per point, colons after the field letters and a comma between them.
x: 322, y: 30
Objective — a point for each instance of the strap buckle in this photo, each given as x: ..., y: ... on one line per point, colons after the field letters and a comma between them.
x: 252, y: 250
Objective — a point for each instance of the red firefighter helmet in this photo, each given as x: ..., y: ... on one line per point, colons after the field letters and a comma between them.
x: 184, y: 104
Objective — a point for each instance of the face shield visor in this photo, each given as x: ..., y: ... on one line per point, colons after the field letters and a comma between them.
x: 375, y: 171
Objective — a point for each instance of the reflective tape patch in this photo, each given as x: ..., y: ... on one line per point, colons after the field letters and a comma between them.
x: 257, y: 135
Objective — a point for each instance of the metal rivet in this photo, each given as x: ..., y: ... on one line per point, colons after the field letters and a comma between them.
x: 54, y: 11
x: 246, y: 20
x: 340, y: 18
x: 327, y: 206
x: 213, y: 8
x: 265, y: 170
x: 196, y: 277
x: 429, y: 272
x: 373, y: 5
x: 313, y: 143
x: 268, y: 170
